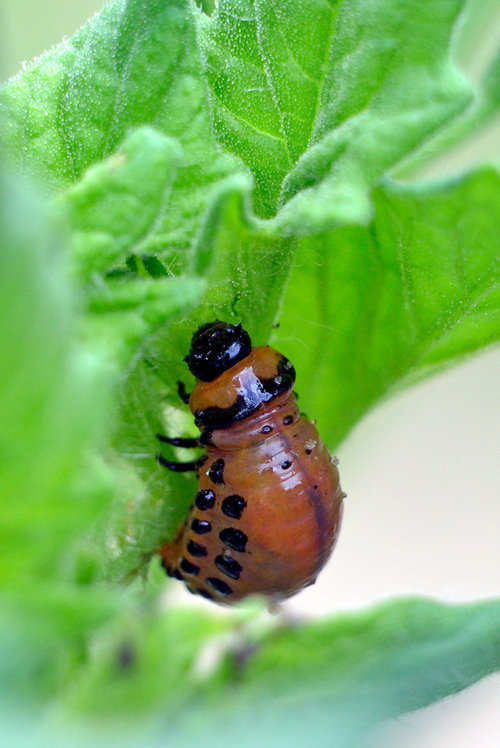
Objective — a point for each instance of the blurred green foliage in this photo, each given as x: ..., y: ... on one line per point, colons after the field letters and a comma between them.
x: 233, y: 165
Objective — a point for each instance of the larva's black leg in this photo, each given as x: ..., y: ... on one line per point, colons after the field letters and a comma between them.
x: 181, y: 390
x: 179, y: 441
x: 177, y: 467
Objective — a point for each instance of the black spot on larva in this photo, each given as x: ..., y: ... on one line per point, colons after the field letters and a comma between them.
x: 219, y: 585
x: 178, y: 575
x: 216, y: 473
x: 287, y: 420
x: 189, y: 567
x: 201, y: 461
x: 285, y: 465
x: 308, y: 451
x: 205, y: 594
x: 195, y: 549
x: 315, y: 487
x: 235, y: 539
x: 200, y: 526
x: 233, y: 506
x: 266, y: 429
x: 229, y: 566
x: 204, y: 499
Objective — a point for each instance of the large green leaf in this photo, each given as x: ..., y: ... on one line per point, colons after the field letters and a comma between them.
x: 135, y: 63
x: 320, y: 98
x: 52, y: 395
x: 325, y: 682
x: 370, y: 309
x: 480, y: 113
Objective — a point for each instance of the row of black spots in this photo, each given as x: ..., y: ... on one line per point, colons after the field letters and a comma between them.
x: 217, y: 584
x: 216, y: 472
x: 233, y: 538
x: 286, y: 421
x: 192, y: 569
x: 229, y: 566
x: 233, y: 506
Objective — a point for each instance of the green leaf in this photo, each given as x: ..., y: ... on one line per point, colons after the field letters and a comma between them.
x: 481, y: 112
x: 325, y: 682
x: 320, y: 98
x: 135, y: 63
x: 372, y: 309
x: 116, y: 213
x: 52, y: 394
x: 143, y: 665
x: 44, y: 631
x: 117, y: 208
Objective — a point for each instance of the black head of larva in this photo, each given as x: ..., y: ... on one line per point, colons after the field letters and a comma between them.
x: 215, y: 347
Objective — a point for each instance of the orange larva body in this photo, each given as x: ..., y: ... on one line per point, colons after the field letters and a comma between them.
x: 269, y: 505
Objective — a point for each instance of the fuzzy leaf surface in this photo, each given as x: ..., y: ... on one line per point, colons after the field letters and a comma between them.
x: 320, y: 98
x: 135, y: 63
x: 369, y: 310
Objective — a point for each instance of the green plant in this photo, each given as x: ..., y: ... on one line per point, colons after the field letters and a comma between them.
x: 240, y: 165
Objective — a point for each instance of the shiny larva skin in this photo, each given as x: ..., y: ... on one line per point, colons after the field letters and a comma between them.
x: 269, y: 506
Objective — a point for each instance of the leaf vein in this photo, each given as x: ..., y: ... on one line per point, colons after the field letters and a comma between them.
x: 249, y: 124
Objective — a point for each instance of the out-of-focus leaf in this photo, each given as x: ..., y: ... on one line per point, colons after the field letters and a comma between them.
x: 481, y: 112
x: 327, y: 682
x: 52, y: 396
